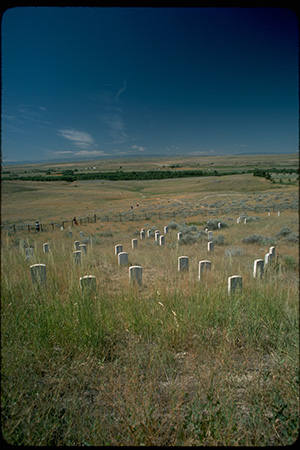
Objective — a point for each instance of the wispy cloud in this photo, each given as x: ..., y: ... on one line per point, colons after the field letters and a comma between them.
x: 120, y: 91
x: 139, y: 147
x: 111, y: 115
x: 79, y: 138
x: 91, y: 153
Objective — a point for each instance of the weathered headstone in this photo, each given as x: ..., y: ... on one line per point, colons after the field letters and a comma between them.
x: 46, y: 247
x: 142, y: 234
x: 179, y: 236
x: 77, y: 256
x: 82, y: 247
x: 81, y: 234
x: 123, y: 259
x: 70, y: 232
x: 149, y: 233
x: 235, y: 282
x: 134, y: 243
x: 118, y: 248
x: 156, y: 235
x: 88, y: 282
x: 203, y: 265
x: 210, y: 234
x: 166, y: 229
x: 268, y: 258
x: 38, y: 274
x: 183, y: 263
x: 135, y: 274
x: 258, y: 268
x: 272, y: 251
x: 210, y: 246
x: 162, y: 240
x: 76, y: 245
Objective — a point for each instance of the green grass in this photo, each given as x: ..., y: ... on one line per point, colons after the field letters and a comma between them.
x: 173, y: 362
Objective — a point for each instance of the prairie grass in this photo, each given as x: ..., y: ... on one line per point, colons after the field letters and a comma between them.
x: 176, y: 361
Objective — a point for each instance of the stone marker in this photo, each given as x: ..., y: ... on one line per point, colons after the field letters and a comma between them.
x: 77, y: 256
x: 156, y: 235
x: 278, y: 213
x: 238, y: 220
x: 203, y: 265
x: 70, y: 232
x: 210, y: 246
x: 123, y: 259
x: 162, y: 240
x: 88, y: 282
x: 210, y: 234
x: 134, y: 243
x: 38, y: 274
x: 135, y: 274
x: 272, y: 251
x: 142, y: 234
x: 82, y: 247
x: 219, y: 225
x: 166, y: 229
x: 183, y: 263
x: 76, y: 245
x: 268, y: 258
x: 235, y: 283
x: 46, y: 247
x: 149, y: 233
x: 81, y: 234
x: 258, y: 268
x: 179, y: 236
x: 118, y: 248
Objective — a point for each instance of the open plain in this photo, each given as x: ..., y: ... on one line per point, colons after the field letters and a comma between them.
x: 173, y: 360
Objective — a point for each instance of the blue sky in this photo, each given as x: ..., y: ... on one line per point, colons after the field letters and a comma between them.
x: 83, y: 82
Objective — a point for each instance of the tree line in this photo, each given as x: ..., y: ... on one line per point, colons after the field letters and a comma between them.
x: 119, y: 175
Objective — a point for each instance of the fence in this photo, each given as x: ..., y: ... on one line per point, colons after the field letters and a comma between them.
x: 136, y: 216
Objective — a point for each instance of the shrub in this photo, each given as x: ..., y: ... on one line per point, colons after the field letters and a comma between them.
x: 258, y: 239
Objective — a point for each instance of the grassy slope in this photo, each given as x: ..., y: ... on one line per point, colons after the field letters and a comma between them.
x: 173, y: 362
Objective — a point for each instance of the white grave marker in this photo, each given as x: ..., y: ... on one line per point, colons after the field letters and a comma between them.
x: 118, y: 249
x: 77, y: 256
x: 203, y: 265
x: 123, y: 259
x: 258, y: 268
x: 82, y: 247
x: 135, y: 274
x: 46, y: 247
x: 235, y: 282
x: 38, y: 274
x: 183, y: 263
x: 210, y: 246
x: 88, y: 282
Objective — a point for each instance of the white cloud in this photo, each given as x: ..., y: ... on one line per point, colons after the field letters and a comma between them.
x: 91, y: 153
x: 79, y: 138
x: 139, y: 147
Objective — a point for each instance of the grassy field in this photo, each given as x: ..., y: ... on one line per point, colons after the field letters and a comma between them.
x: 175, y: 361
